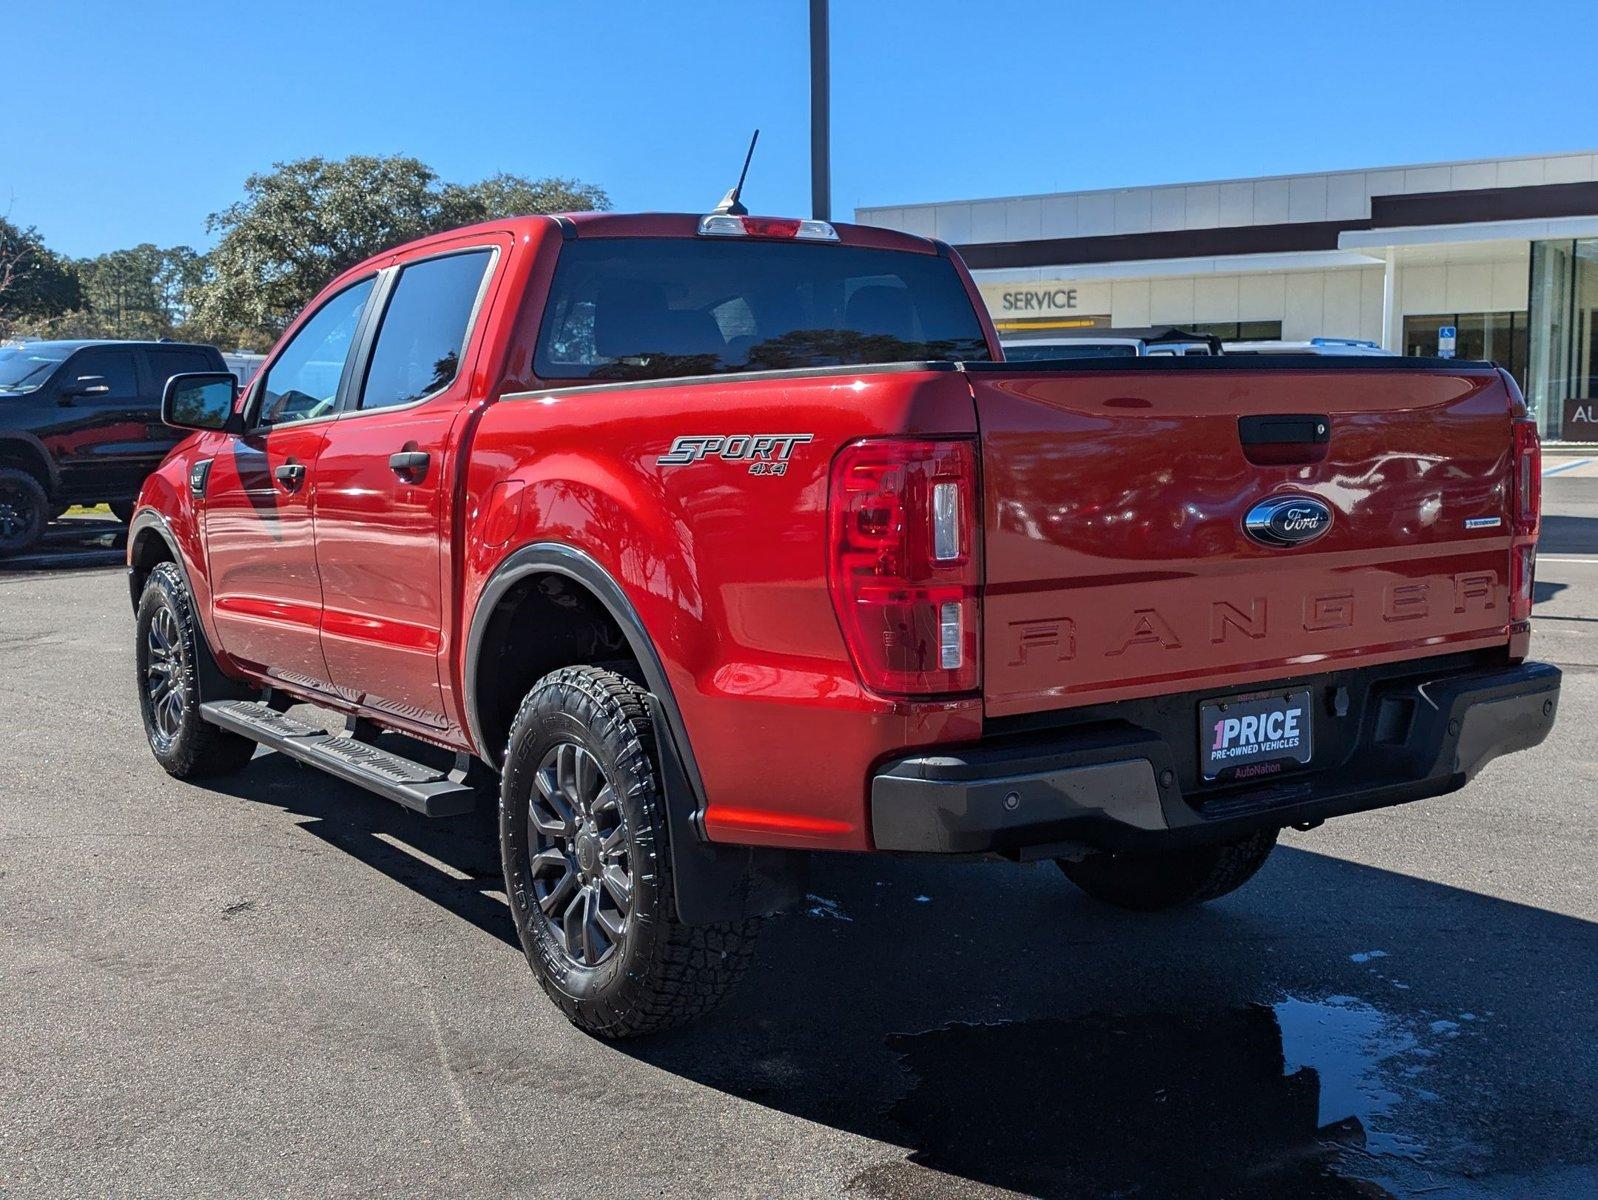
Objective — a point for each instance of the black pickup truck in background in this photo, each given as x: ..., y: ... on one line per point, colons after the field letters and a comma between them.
x: 80, y: 423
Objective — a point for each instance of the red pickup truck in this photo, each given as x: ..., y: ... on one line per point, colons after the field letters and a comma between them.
x: 722, y: 539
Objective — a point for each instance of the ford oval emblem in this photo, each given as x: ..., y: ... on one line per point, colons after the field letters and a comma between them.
x: 1288, y: 520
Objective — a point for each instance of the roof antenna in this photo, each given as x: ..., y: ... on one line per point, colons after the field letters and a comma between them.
x: 731, y: 205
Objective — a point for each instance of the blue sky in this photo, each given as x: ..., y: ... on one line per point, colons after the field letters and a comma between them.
x: 132, y: 122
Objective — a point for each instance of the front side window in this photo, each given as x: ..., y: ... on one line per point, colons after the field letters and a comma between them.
x: 302, y: 383
x: 659, y: 308
x: 423, y: 335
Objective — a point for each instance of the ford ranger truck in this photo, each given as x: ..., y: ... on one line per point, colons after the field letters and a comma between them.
x: 719, y: 540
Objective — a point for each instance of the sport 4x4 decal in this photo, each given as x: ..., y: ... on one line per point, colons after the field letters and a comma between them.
x: 766, y: 453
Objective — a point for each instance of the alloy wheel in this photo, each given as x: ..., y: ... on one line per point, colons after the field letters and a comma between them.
x: 163, y: 675
x: 16, y: 515
x: 577, y: 855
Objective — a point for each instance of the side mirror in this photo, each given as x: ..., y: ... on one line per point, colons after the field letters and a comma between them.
x: 203, y: 400
x: 83, y: 385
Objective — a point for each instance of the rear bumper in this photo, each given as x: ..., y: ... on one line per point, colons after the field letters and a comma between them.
x: 1116, y: 786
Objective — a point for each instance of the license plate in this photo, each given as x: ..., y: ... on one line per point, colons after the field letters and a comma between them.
x: 1258, y: 734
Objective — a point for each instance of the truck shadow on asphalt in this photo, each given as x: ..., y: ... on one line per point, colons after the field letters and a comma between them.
x: 1333, y: 1030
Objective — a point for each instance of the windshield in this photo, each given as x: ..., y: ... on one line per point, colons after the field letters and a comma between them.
x: 1047, y: 350
x: 659, y: 308
x: 25, y: 370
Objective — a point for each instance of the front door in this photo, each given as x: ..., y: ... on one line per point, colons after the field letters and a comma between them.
x: 383, y: 488
x: 101, y: 443
x: 260, y: 499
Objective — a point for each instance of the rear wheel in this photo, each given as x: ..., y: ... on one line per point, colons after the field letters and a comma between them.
x: 24, y: 511
x: 588, y: 869
x: 1151, y: 881
x: 167, y: 653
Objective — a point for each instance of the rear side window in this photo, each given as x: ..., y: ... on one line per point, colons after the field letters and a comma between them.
x: 115, y: 369
x: 658, y: 308
x: 166, y: 363
x: 424, y: 330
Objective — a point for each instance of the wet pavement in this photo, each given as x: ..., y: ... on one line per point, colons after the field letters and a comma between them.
x: 1270, y: 1047
x: 278, y: 985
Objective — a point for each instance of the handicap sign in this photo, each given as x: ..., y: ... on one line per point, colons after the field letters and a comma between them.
x: 1445, y: 341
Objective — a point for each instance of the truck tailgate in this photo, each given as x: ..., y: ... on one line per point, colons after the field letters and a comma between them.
x: 1117, y: 563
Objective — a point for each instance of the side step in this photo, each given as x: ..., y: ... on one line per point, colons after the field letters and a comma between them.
x: 431, y: 792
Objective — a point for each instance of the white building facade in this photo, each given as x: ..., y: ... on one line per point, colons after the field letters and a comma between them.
x: 1505, y: 251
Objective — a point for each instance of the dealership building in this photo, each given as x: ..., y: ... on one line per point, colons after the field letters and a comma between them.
x: 1504, y: 251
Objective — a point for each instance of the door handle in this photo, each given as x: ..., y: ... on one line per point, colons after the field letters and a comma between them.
x: 409, y: 464
x: 290, y: 475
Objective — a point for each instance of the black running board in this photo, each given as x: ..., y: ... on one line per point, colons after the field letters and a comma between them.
x: 427, y: 790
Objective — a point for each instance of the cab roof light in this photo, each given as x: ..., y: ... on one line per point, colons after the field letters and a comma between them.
x: 787, y: 228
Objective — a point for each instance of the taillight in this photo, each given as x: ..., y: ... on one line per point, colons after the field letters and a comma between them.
x: 1528, y: 484
x: 905, y: 564
x: 1525, y: 508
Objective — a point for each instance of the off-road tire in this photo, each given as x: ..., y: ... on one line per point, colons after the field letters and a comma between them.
x: 196, y: 749
x: 24, y: 511
x: 661, y: 972
x: 1152, y: 881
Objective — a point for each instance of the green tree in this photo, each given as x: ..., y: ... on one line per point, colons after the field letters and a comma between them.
x: 303, y: 222
x: 505, y: 195
x: 35, y: 282
x: 137, y: 293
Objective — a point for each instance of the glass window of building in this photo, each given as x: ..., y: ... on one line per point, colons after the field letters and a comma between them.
x: 1498, y: 337
x: 1562, y: 383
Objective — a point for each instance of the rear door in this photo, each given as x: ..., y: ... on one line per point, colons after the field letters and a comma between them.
x: 258, y: 505
x: 1117, y: 559
x: 383, y: 480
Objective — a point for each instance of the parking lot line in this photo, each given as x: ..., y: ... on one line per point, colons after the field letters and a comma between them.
x: 1565, y: 466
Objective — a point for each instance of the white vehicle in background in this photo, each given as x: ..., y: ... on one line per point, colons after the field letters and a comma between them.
x: 1320, y: 345
x: 1166, y: 341
x: 243, y: 365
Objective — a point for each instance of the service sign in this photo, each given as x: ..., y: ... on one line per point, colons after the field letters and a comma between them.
x: 1046, y: 300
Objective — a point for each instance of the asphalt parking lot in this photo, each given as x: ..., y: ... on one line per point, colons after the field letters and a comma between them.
x: 277, y: 985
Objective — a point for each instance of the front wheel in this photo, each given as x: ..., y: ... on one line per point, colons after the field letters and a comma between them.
x: 24, y: 511
x: 582, y: 822
x: 1161, y: 879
